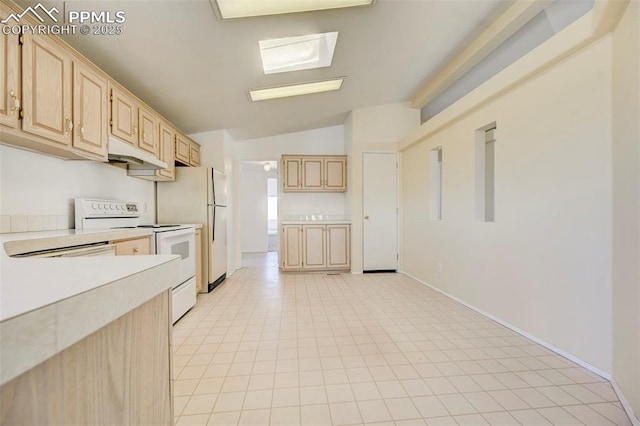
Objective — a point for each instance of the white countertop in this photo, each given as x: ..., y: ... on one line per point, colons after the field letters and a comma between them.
x: 48, y: 304
x: 320, y: 219
x: 27, y: 284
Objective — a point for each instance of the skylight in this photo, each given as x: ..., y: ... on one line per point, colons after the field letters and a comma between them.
x: 296, y: 89
x: 297, y: 53
x: 230, y: 9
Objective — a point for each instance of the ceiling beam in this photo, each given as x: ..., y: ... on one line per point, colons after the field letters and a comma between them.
x: 500, y: 30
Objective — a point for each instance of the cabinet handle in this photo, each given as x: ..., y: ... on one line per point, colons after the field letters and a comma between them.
x: 80, y: 129
x: 16, y: 102
x: 135, y: 130
x: 144, y: 136
x: 135, y: 250
x: 69, y: 126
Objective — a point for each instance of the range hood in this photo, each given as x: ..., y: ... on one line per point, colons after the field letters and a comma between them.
x: 135, y: 158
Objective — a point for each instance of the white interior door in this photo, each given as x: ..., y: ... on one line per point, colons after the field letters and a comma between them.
x: 380, y: 211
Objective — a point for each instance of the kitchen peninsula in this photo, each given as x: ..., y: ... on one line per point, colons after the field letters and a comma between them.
x: 84, y: 340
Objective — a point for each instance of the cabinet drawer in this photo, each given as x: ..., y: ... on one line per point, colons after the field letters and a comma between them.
x: 133, y: 247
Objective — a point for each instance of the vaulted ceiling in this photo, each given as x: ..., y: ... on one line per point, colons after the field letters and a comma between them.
x: 195, y: 69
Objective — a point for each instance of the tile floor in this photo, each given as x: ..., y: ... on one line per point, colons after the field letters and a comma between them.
x: 271, y: 348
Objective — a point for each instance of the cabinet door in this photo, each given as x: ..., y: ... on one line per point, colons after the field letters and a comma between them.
x: 335, y: 172
x: 148, y: 137
x: 9, y: 77
x: 46, y: 85
x: 183, y: 149
x: 313, y: 247
x: 194, y: 154
x: 338, y: 246
x: 292, y: 178
x: 167, y: 142
x: 312, y: 174
x: 292, y: 247
x: 90, y: 110
x: 124, y: 117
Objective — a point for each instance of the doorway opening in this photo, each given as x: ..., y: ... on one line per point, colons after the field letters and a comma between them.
x: 272, y: 214
x: 259, y: 206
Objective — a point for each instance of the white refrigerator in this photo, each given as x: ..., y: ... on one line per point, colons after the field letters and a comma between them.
x: 199, y: 195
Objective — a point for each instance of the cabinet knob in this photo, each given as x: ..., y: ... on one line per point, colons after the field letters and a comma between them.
x: 80, y: 129
x: 144, y: 136
x: 16, y: 102
x: 135, y: 130
x: 135, y: 250
x: 366, y: 217
x: 69, y: 125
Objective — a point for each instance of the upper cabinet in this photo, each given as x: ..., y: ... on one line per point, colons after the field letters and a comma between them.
x: 90, y: 110
x: 55, y: 101
x: 187, y: 151
x: 51, y: 101
x: 133, y: 122
x: 46, y: 85
x: 124, y: 116
x: 10, y: 93
x: 314, y: 173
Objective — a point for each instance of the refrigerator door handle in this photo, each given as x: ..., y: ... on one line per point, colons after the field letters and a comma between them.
x: 213, y: 225
x: 213, y: 187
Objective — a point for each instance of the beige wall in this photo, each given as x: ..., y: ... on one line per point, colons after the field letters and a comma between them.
x: 544, y: 266
x: 371, y: 129
x: 626, y: 205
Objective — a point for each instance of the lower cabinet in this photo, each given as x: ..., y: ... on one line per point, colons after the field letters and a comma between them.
x: 119, y: 375
x: 132, y: 247
x: 316, y: 247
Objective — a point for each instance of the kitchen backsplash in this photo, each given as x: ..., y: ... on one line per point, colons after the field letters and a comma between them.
x: 23, y: 223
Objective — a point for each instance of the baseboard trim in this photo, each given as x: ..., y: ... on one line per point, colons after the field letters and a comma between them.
x: 529, y: 336
x: 625, y: 404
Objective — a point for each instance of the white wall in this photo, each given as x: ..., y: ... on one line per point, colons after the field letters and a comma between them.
x: 253, y: 199
x: 371, y: 129
x: 36, y: 184
x: 544, y: 265
x: 626, y: 205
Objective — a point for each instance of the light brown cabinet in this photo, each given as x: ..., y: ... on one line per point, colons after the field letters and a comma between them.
x: 148, y: 137
x: 316, y: 247
x: 167, y: 141
x: 46, y: 88
x: 119, y: 375
x: 291, y: 247
x: 124, y: 117
x: 187, y: 151
x: 194, y: 154
x: 134, y: 246
x: 134, y: 123
x: 55, y: 101
x: 183, y: 148
x: 64, y: 101
x: 90, y: 110
x: 10, y: 93
x: 313, y: 173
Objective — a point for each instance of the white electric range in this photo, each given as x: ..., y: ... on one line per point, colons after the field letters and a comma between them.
x: 167, y: 239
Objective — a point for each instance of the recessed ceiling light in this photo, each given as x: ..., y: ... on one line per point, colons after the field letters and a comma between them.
x: 298, y: 53
x: 296, y: 89
x: 230, y: 9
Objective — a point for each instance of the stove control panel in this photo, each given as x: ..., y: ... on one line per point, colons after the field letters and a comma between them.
x: 94, y: 213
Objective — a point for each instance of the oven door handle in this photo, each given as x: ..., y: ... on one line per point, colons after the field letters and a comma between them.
x: 178, y: 233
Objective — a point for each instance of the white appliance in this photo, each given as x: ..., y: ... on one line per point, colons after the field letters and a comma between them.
x: 198, y: 195
x: 166, y: 239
